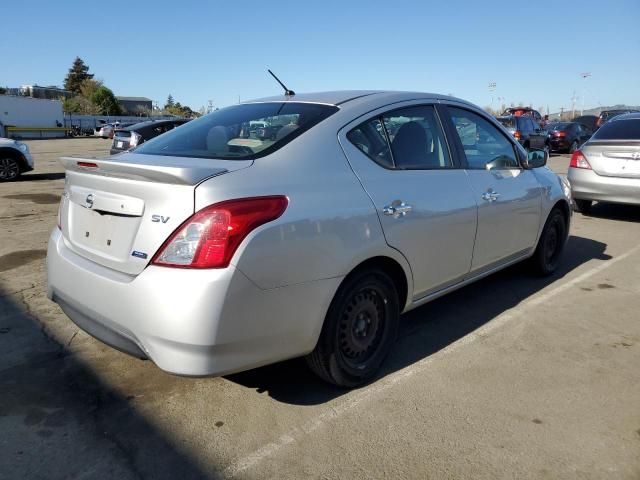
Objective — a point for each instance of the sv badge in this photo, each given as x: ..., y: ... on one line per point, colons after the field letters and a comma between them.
x: 159, y: 219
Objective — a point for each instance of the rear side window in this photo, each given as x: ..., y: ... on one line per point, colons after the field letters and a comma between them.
x: 404, y: 139
x: 239, y: 132
x: 619, y: 130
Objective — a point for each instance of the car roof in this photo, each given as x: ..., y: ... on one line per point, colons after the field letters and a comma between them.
x: 626, y: 116
x: 147, y: 123
x: 341, y: 97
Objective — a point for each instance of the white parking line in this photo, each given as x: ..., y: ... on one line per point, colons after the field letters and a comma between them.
x: 357, y: 397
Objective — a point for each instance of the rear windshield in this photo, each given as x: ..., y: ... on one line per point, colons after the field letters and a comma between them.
x: 508, y: 122
x: 619, y: 130
x: 239, y: 132
x: 558, y: 126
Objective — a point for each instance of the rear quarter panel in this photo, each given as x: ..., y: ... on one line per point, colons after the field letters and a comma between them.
x: 330, y: 225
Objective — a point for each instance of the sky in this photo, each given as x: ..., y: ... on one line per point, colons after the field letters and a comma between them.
x: 201, y: 51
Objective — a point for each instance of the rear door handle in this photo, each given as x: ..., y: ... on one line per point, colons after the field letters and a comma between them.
x: 490, y: 196
x: 397, y: 209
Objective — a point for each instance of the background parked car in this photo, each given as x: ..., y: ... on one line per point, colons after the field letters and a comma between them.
x: 133, y: 135
x: 526, y: 111
x: 567, y: 136
x: 607, y: 167
x: 526, y: 131
x: 15, y: 159
x: 607, y: 115
x: 589, y: 121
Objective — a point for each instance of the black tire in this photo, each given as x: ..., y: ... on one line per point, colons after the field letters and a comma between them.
x: 9, y: 168
x: 359, y: 330
x: 582, y: 206
x: 551, y: 244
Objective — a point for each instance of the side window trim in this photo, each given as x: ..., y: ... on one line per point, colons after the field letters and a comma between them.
x: 458, y: 142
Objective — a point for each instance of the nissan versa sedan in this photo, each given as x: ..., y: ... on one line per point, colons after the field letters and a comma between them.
x: 607, y: 167
x: 209, y: 250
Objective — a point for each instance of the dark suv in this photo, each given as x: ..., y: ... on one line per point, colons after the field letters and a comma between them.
x: 129, y: 137
x: 526, y: 131
x: 607, y: 115
x: 567, y: 136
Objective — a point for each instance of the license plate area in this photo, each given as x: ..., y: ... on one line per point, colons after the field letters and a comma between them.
x: 119, y: 144
x: 104, y: 235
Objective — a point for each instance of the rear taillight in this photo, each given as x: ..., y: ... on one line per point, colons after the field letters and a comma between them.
x: 578, y: 160
x: 559, y: 134
x: 134, y: 139
x: 210, y: 237
x: 517, y: 135
x: 87, y: 164
x: 599, y: 122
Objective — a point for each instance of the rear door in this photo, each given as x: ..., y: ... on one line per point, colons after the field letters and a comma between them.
x: 508, y: 197
x: 423, y: 199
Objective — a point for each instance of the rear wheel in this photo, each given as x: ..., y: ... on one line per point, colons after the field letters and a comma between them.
x: 582, y: 206
x: 551, y: 244
x: 9, y: 168
x: 359, y: 330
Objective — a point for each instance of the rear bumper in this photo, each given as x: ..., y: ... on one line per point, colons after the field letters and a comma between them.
x: 588, y: 185
x: 189, y: 322
x: 556, y: 144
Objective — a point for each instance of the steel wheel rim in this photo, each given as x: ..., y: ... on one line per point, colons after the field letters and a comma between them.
x: 8, y: 168
x: 361, y: 326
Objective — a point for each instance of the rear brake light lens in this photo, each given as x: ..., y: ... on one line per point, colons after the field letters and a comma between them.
x: 578, y: 160
x: 517, y: 135
x: 559, y: 134
x: 87, y: 164
x: 210, y: 237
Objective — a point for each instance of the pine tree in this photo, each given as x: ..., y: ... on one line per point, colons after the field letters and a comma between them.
x: 170, y: 103
x: 78, y: 72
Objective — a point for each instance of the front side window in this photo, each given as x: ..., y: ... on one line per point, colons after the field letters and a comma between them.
x: 405, y: 139
x: 240, y: 132
x: 485, y: 147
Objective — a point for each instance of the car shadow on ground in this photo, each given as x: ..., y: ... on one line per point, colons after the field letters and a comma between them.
x: 427, y: 329
x: 611, y: 211
x: 33, y: 177
x: 59, y: 420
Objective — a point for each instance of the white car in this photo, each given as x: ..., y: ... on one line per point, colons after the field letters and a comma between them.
x: 15, y: 159
x: 106, y: 130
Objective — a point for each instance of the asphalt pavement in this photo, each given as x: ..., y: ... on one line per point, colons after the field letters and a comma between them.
x: 512, y: 377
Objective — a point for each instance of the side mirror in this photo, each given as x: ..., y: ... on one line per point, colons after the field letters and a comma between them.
x: 535, y: 159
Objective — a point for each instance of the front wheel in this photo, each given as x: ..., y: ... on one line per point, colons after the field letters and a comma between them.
x: 359, y: 330
x: 9, y: 169
x: 551, y: 244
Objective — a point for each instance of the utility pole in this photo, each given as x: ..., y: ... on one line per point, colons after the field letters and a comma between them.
x: 492, y: 88
x: 584, y: 76
x: 573, y: 105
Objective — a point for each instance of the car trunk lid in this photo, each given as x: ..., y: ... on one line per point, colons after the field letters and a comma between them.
x: 118, y: 212
x: 614, y: 159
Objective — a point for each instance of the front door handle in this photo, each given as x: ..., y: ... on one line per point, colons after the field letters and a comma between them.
x: 397, y: 209
x: 490, y: 196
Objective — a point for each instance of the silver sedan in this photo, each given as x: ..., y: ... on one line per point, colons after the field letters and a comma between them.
x: 607, y: 167
x: 214, y: 249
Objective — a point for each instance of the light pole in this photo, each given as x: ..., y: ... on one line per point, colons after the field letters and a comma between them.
x: 584, y: 75
x: 492, y: 88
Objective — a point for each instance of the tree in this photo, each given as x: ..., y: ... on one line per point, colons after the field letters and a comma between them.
x: 78, y: 72
x: 170, y: 103
x: 89, y: 86
x: 79, y: 105
x: 3, y: 90
x: 105, y: 101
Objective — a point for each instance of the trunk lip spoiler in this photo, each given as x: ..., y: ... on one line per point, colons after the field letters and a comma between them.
x: 181, y: 171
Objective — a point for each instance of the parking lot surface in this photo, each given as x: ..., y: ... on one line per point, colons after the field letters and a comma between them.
x: 511, y: 377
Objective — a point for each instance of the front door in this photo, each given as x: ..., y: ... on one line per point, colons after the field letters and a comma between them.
x: 424, y: 200
x: 508, y: 196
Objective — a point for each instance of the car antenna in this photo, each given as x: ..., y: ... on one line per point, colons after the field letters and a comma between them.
x: 287, y: 92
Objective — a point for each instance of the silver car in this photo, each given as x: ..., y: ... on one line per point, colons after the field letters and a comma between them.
x: 607, y: 167
x: 213, y: 249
